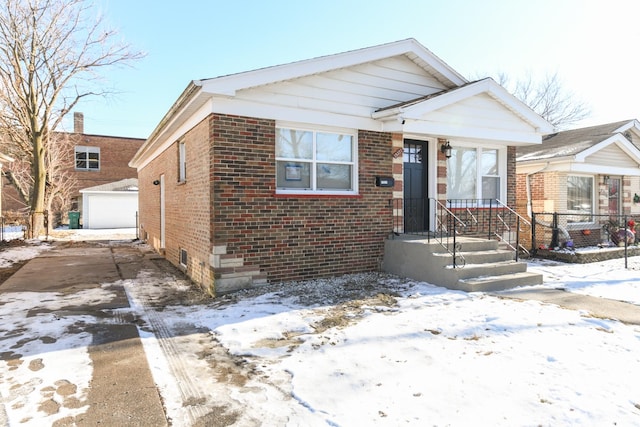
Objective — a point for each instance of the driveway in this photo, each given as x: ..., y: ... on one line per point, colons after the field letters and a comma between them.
x: 114, y: 299
x: 121, y: 389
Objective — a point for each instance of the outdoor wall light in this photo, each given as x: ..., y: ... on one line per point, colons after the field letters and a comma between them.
x: 156, y: 182
x: 605, y: 179
x: 446, y: 150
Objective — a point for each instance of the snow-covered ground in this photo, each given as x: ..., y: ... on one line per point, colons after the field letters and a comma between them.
x: 303, y: 354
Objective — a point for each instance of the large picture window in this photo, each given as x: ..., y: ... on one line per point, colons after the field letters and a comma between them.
x: 580, y: 198
x: 87, y: 158
x: 315, y: 161
x: 474, y: 173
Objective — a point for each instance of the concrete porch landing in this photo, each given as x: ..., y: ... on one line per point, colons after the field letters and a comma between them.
x: 486, y: 267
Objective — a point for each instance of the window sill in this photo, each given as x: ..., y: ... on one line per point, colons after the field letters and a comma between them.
x: 181, y: 182
x: 316, y: 196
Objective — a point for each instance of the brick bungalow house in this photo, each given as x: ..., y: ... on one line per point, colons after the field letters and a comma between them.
x: 287, y: 172
x: 588, y: 175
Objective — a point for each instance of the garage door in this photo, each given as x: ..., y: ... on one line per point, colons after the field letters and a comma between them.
x: 110, y: 210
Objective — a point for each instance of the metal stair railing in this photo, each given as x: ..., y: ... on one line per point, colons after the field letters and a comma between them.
x: 447, y: 231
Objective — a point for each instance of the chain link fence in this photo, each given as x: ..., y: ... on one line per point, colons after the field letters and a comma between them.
x: 554, y: 233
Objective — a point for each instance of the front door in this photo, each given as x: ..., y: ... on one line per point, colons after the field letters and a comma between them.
x: 416, y: 205
x: 614, y: 196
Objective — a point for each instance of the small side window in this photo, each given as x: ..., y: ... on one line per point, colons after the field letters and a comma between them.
x: 182, y: 162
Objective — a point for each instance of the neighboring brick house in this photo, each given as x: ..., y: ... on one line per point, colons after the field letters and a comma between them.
x: 99, y: 160
x: 95, y: 160
x: 287, y: 172
x: 588, y: 175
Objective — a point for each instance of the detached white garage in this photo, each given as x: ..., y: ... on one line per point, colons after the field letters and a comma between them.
x: 112, y: 205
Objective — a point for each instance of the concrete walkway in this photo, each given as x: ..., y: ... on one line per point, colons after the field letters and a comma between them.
x: 122, y: 390
x: 598, y: 307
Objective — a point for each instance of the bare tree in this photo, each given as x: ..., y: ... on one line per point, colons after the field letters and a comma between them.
x: 51, y: 56
x: 549, y: 98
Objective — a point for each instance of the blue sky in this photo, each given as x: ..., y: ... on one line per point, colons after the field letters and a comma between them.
x: 592, y: 45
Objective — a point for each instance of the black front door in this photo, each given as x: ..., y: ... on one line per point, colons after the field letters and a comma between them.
x: 416, y: 212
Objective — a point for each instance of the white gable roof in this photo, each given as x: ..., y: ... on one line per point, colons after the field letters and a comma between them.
x: 352, y: 90
x: 490, y: 113
x: 423, y: 57
x: 615, y: 155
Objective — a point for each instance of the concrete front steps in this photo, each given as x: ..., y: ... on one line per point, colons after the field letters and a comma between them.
x: 485, y: 268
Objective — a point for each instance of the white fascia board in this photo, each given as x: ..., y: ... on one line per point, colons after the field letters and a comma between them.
x: 631, y: 124
x: 119, y: 192
x: 192, y: 95
x: 293, y: 114
x: 229, y: 85
x: 171, y: 133
x: 488, y: 86
x: 529, y: 168
x: 597, y: 169
x: 469, y: 133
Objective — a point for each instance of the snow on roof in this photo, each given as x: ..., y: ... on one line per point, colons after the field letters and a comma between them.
x: 129, y: 184
x: 568, y: 143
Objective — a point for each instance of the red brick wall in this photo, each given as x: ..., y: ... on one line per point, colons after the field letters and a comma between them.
x: 186, y: 204
x: 511, y: 178
x: 294, y: 237
x: 115, y: 154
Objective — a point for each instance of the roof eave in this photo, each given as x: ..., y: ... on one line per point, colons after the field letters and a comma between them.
x: 185, y: 97
x: 229, y: 85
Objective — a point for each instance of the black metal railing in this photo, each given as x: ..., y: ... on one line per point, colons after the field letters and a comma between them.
x: 447, y: 220
x: 431, y: 219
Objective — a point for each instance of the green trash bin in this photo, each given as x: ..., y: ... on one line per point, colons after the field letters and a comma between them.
x: 74, y: 220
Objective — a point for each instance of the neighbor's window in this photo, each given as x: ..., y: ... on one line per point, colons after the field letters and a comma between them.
x: 580, y: 198
x: 473, y: 173
x: 315, y: 161
x: 182, y: 162
x: 87, y: 158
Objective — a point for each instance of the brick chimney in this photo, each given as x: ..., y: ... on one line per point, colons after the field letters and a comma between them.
x: 78, y: 123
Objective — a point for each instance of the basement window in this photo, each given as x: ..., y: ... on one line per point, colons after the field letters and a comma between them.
x: 183, y: 257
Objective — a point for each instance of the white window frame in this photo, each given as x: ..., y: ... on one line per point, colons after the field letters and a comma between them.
x: 321, y: 129
x: 182, y: 162
x: 594, y: 201
x: 86, y: 150
x: 502, y: 169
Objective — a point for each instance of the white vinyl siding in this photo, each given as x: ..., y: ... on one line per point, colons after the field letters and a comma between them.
x: 612, y: 156
x: 354, y: 92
